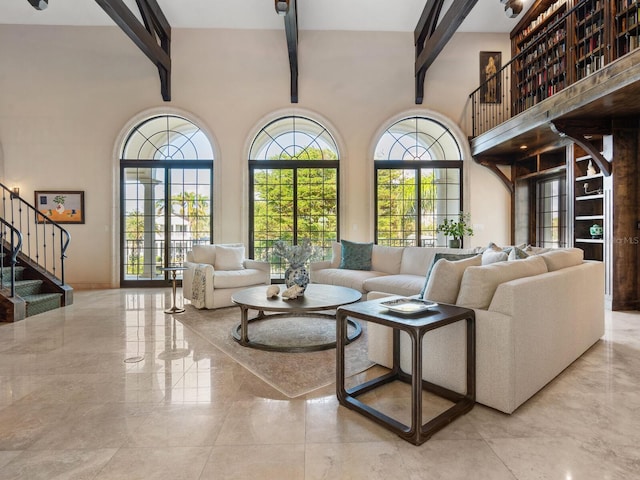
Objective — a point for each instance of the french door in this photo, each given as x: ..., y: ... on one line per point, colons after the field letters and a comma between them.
x: 165, y: 210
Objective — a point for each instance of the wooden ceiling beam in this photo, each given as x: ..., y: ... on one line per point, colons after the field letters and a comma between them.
x: 153, y: 37
x: 434, y: 41
x: 291, y: 32
x: 424, y: 29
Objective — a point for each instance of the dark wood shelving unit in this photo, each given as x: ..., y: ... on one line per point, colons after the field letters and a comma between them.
x: 627, y: 26
x: 590, y: 36
x: 542, y: 68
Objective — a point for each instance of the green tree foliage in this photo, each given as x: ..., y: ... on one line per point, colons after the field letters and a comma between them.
x: 316, y: 196
x: 192, y: 207
x: 398, y: 212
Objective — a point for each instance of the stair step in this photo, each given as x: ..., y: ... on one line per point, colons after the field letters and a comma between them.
x: 27, y: 287
x: 42, y: 302
x: 6, y: 273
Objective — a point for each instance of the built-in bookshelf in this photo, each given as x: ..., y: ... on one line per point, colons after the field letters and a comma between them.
x: 541, y: 69
x: 590, y: 37
x: 627, y: 29
x: 589, y: 208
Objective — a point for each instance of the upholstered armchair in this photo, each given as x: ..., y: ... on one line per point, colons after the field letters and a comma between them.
x: 215, y: 272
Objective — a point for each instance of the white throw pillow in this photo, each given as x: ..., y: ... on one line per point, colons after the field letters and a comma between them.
x: 480, y: 283
x: 562, y: 258
x: 204, y: 253
x: 229, y: 258
x: 445, y: 277
x: 490, y: 256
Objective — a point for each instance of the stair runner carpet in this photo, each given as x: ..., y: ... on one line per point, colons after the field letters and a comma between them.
x: 31, y: 291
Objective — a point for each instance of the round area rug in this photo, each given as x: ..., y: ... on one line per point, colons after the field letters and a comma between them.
x: 294, y: 332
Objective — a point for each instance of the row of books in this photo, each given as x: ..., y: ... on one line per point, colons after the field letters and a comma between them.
x: 554, y: 68
x: 541, y: 18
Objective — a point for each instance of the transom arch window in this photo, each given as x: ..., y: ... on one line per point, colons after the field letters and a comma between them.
x: 166, y: 172
x: 418, y: 174
x: 293, y: 188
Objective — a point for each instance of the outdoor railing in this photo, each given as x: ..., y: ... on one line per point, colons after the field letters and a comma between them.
x: 44, y: 242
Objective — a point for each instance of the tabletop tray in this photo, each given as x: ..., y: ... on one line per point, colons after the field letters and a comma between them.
x: 408, y: 305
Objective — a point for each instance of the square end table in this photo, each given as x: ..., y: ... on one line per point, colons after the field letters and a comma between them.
x: 416, y: 326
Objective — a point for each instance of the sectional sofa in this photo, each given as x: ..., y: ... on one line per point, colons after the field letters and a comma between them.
x: 534, y: 316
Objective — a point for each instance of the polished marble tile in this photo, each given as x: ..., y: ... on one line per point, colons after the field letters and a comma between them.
x: 71, y: 407
x: 57, y: 464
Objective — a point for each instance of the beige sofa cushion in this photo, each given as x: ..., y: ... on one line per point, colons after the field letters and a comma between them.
x: 204, y: 254
x: 229, y: 258
x: 400, y: 284
x: 386, y: 259
x: 562, y: 258
x: 238, y: 278
x: 479, y: 283
x: 444, y: 281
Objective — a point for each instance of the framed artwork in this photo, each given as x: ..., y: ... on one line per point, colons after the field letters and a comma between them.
x: 61, y: 206
x: 490, y: 64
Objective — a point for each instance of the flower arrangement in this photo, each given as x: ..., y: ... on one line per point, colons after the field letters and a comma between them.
x: 295, y: 255
x: 456, y: 229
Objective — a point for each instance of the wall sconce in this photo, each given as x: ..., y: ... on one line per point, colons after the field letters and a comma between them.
x: 282, y: 6
x: 15, y: 192
x: 39, y: 4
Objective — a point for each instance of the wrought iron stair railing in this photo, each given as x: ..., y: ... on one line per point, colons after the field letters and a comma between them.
x: 43, y: 243
x: 11, y: 239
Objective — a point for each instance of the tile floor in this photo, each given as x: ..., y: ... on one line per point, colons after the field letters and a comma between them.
x: 72, y: 408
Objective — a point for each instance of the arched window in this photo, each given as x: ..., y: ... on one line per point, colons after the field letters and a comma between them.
x: 293, y: 187
x: 166, y: 172
x: 418, y: 176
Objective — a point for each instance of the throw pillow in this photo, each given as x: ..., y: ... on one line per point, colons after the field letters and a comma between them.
x: 229, y: 258
x: 204, y: 253
x: 494, y: 256
x: 480, y: 283
x: 562, y: 258
x: 452, y: 257
x: 355, y: 255
x: 444, y: 282
x: 517, y: 253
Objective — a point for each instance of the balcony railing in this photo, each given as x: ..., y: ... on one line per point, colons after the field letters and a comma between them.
x: 504, y: 95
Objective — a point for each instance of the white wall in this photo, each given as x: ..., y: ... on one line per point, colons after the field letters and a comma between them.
x: 67, y: 94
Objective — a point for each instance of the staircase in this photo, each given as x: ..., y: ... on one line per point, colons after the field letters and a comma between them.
x: 31, y: 262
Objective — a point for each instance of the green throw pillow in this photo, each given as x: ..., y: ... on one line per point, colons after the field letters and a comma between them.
x: 452, y: 257
x: 355, y: 256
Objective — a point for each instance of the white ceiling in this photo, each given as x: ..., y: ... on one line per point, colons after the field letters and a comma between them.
x: 370, y: 15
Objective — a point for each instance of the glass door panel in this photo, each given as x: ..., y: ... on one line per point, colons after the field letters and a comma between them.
x: 163, y: 219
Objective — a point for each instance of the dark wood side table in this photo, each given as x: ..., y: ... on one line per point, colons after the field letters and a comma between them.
x: 416, y: 326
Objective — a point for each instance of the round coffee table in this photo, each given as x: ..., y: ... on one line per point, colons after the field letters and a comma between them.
x: 317, y: 297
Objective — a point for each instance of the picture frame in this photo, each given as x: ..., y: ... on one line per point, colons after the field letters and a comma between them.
x: 61, y: 206
x: 490, y: 88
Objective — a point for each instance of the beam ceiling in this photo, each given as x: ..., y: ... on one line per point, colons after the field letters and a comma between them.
x: 431, y: 39
x: 153, y: 37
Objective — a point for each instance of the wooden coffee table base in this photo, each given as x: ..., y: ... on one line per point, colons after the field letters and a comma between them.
x: 316, y: 299
x: 237, y: 333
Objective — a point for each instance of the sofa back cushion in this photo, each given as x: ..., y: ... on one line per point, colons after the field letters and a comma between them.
x: 418, y: 260
x: 229, y: 258
x: 445, y: 277
x: 479, y: 283
x: 386, y: 259
x: 562, y: 258
x: 206, y: 253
